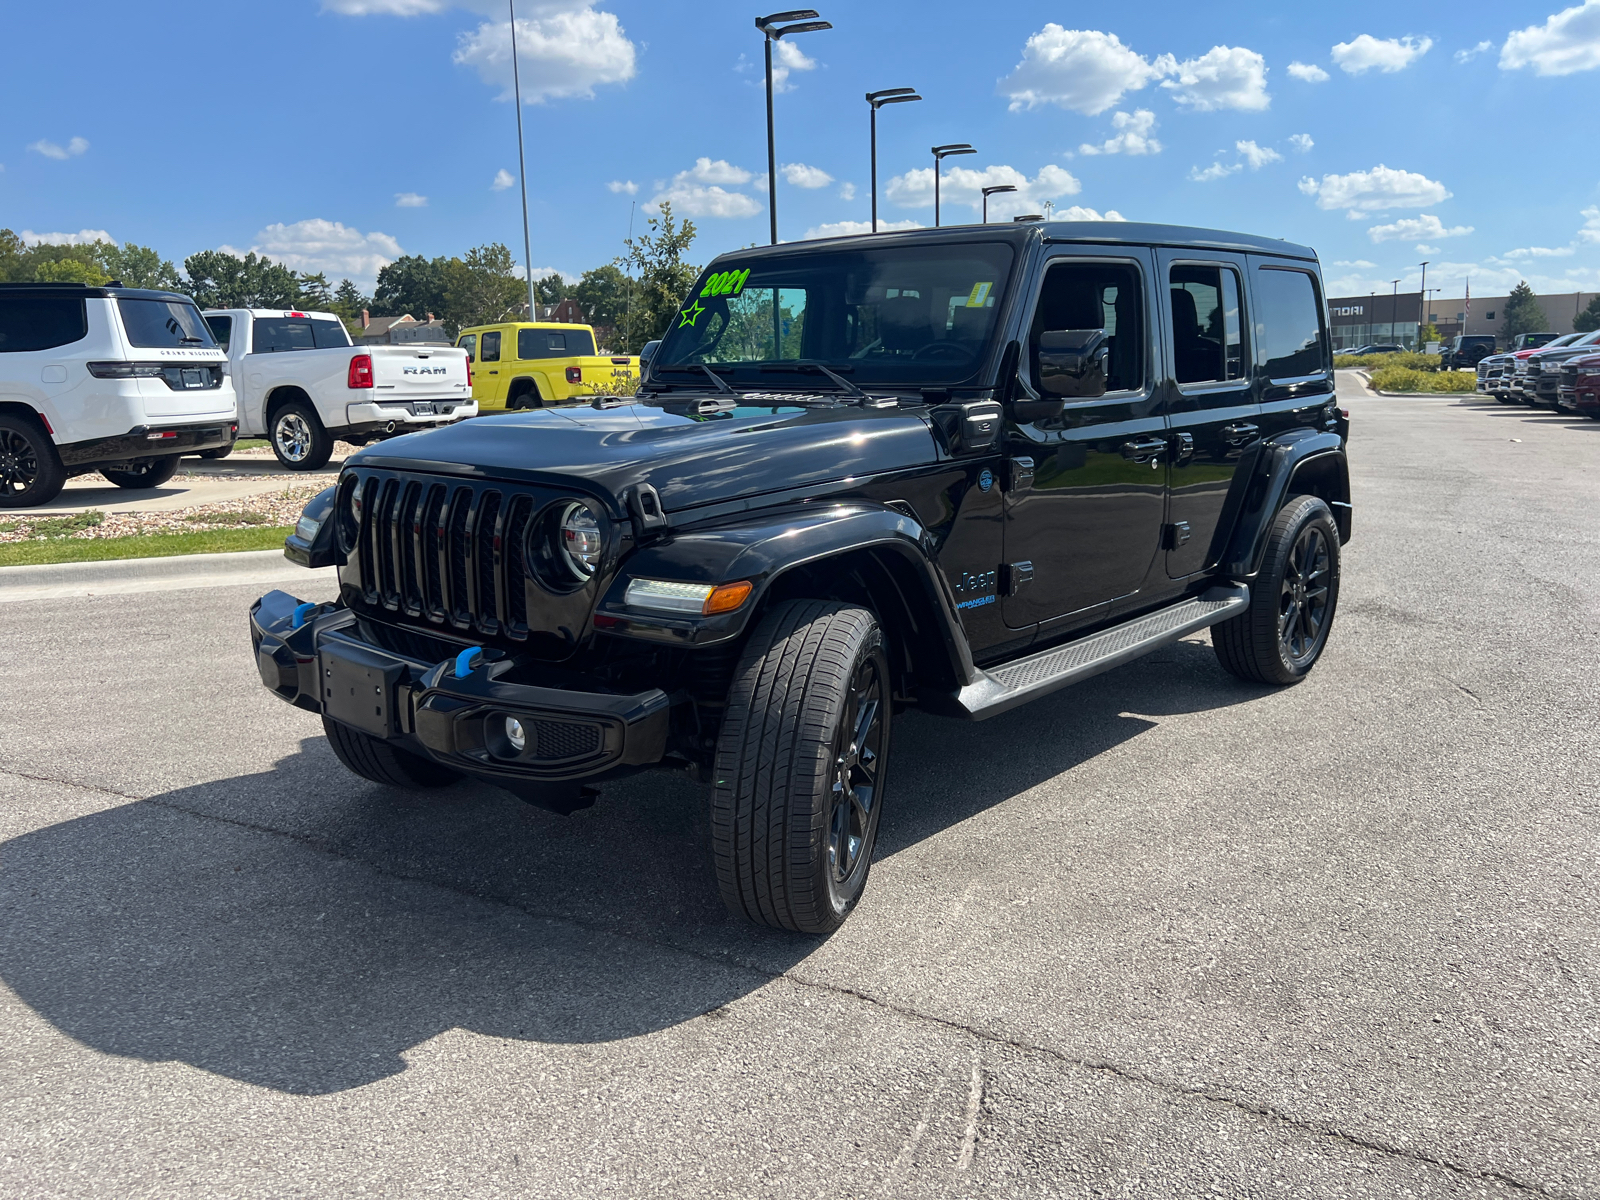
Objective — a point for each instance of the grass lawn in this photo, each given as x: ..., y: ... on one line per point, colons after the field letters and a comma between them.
x: 251, y: 444
x: 153, y: 545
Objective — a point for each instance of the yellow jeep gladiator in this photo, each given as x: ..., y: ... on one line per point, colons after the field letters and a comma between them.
x: 528, y: 364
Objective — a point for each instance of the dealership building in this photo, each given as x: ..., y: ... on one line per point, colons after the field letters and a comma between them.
x: 1394, y: 319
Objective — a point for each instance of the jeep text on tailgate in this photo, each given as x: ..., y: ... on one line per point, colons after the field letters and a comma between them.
x: 952, y: 469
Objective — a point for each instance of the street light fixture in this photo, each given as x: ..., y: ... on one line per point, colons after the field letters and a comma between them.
x: 1394, y: 306
x: 991, y: 191
x: 766, y: 25
x: 940, y: 153
x: 877, y: 100
x: 1422, y: 301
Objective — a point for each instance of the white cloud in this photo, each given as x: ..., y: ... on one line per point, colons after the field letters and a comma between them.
x: 502, y: 180
x: 706, y: 171
x: 693, y: 200
x: 1078, y: 213
x: 623, y: 186
x: 1567, y: 42
x: 410, y: 200
x: 1307, y: 72
x: 801, y: 176
x: 962, y: 185
x: 1375, y: 191
x: 1356, y: 262
x: 847, y: 191
x: 1132, y: 137
x: 567, y: 48
x: 852, y: 228
x: 327, y: 246
x: 1257, y: 156
x: 1411, y: 228
x: 1591, y: 224
x: 1364, y: 52
x: 83, y: 237
x: 1425, y: 249
x: 72, y: 149
x: 1301, y: 142
x: 788, y: 57
x: 1537, y: 252
x: 1472, y: 53
x: 1214, y: 172
x: 1222, y: 77
x: 1080, y: 69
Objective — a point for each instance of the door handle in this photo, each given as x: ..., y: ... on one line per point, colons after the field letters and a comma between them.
x: 1240, y: 433
x: 1183, y: 446
x: 1144, y: 450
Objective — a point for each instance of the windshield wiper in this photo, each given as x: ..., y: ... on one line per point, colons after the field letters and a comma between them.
x: 191, y: 340
x: 802, y: 364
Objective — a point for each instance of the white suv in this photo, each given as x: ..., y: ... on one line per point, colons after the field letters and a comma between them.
x: 111, y: 379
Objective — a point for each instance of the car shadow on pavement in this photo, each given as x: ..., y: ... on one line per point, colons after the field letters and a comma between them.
x: 305, y: 931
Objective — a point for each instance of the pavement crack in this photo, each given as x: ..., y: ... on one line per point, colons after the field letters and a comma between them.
x: 1104, y: 1067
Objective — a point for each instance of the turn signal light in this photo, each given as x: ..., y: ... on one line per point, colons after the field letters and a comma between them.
x: 360, y: 371
x: 727, y: 597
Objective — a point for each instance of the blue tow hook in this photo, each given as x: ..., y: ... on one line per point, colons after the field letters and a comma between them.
x: 468, y: 659
x: 299, y: 617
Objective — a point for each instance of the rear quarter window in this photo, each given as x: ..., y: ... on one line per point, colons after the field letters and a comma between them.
x: 1289, y: 335
x: 41, y: 322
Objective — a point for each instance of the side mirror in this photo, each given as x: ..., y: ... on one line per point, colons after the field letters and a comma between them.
x: 1072, y: 362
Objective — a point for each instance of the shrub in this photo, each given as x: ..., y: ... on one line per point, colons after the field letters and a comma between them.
x: 1406, y: 379
x: 1410, y: 359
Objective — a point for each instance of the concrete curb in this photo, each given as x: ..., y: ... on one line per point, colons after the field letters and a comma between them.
x: 56, y: 581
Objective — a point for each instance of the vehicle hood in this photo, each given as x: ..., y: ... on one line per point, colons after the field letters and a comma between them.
x: 691, y: 459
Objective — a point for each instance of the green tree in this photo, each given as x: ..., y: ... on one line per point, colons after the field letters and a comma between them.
x: 603, y: 293
x: 1428, y: 333
x: 662, y: 277
x: 219, y: 280
x: 412, y: 284
x: 552, y: 289
x: 483, y: 286
x: 11, y: 257
x: 141, y: 267
x: 315, y: 292
x: 1522, y: 313
x: 69, y: 270
x: 1589, y: 319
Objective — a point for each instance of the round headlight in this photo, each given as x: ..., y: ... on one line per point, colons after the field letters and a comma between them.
x: 580, y: 540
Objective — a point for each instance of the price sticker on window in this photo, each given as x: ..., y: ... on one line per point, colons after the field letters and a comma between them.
x: 979, y: 295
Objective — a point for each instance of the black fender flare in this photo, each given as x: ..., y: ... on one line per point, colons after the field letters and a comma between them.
x: 1273, y: 469
x: 767, y: 545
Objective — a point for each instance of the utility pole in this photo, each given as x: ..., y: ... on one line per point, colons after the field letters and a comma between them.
x: 875, y: 101
x: 522, y: 165
x: 940, y: 153
x: 1422, y: 301
x: 766, y: 24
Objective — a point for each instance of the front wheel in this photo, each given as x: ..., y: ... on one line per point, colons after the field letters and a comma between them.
x: 1280, y: 636
x: 30, y: 469
x: 375, y: 759
x: 298, y: 438
x: 146, y: 473
x: 800, y: 767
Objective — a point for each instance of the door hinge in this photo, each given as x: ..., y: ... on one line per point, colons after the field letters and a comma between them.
x: 1177, y: 534
x: 1013, y: 576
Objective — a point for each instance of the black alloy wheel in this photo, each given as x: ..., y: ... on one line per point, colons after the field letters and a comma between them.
x: 858, y: 766
x: 1303, y: 598
x: 30, y: 469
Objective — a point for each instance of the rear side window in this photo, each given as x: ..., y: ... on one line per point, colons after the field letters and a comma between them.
x: 40, y: 322
x: 328, y: 334
x: 221, y: 329
x: 550, y: 343
x: 164, y: 323
x: 469, y: 343
x: 276, y: 335
x: 1206, y: 337
x: 491, y: 347
x: 1289, y: 324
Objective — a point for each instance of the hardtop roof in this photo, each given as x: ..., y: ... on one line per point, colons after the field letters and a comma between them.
x: 81, y: 291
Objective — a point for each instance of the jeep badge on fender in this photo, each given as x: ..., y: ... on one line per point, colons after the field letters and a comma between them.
x: 952, y: 469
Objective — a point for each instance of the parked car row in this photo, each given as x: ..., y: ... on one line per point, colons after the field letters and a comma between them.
x: 1563, y: 373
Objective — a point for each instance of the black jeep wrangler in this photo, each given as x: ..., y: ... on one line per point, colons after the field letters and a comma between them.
x: 949, y: 469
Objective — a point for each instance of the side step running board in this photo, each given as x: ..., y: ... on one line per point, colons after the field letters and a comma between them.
x: 1004, y: 687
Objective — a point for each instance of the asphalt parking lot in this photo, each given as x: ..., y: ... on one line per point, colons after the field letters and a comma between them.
x: 1162, y: 935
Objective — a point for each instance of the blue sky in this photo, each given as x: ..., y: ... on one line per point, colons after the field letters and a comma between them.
x: 338, y: 134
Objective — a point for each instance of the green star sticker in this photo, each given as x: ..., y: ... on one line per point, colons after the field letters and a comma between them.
x: 691, y: 315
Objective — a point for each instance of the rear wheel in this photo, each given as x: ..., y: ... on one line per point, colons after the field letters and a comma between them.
x: 525, y: 394
x: 30, y: 470
x: 1279, y: 638
x: 218, y: 451
x: 800, y: 767
x: 145, y: 473
x: 298, y: 438
x: 375, y: 759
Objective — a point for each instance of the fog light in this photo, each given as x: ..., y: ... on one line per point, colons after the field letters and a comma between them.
x: 516, y: 735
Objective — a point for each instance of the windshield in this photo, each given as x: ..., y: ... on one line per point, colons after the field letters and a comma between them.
x: 163, y: 323
x: 909, y: 316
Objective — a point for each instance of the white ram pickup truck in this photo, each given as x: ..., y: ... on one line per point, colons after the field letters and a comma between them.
x: 303, y: 386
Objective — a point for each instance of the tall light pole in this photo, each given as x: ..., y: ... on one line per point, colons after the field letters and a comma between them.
x: 522, y: 166
x: 766, y: 25
x: 992, y: 191
x: 940, y: 153
x: 876, y: 100
x: 1422, y: 302
x: 1394, y: 306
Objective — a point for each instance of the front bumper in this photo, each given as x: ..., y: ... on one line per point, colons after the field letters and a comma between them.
x: 315, y: 658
